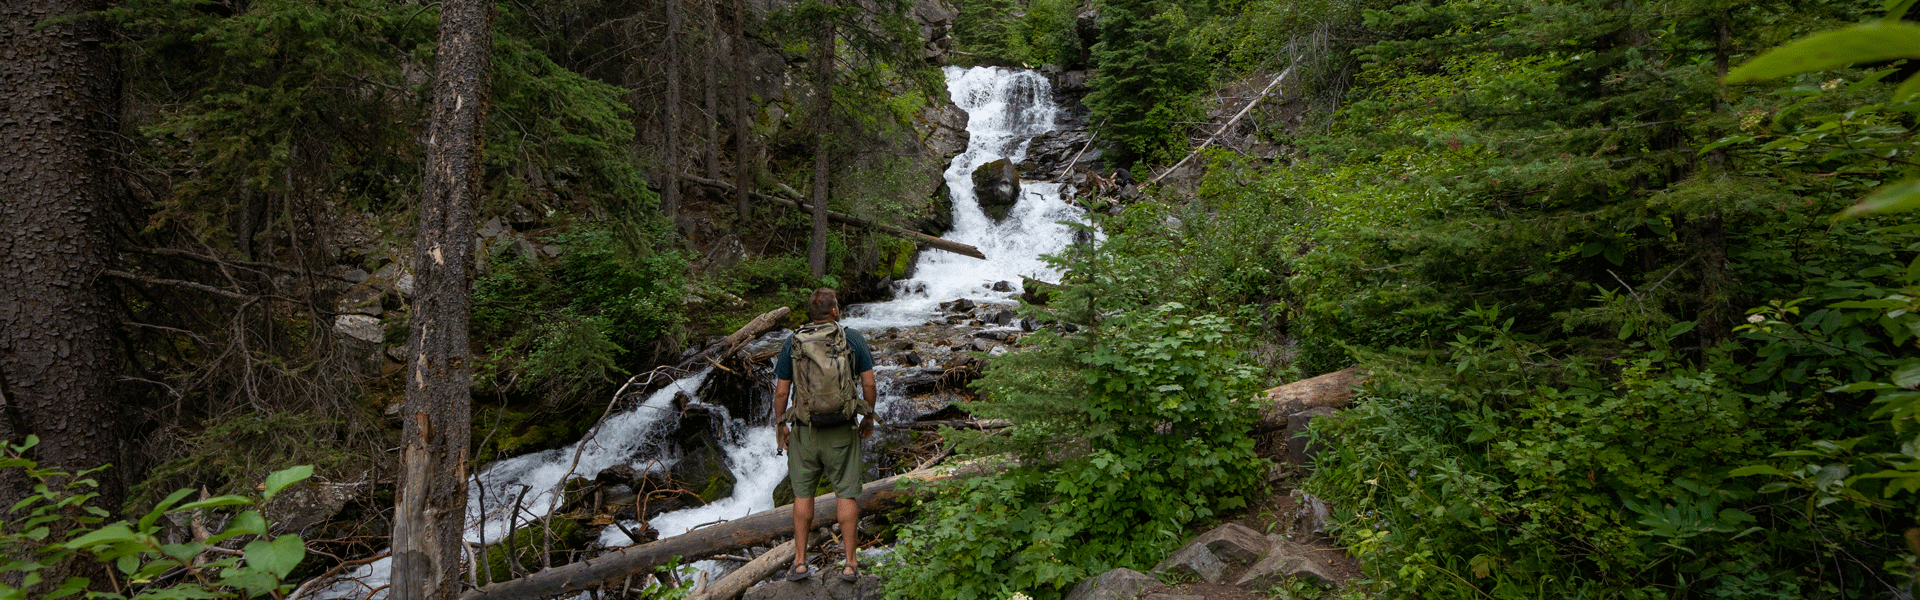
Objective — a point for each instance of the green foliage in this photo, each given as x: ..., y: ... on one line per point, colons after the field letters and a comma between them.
x: 565, y: 326
x: 54, y: 526
x: 230, y: 454
x: 1041, y: 32
x: 1153, y: 66
x: 1124, y: 437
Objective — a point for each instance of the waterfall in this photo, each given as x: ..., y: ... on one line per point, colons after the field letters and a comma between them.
x: 1005, y: 109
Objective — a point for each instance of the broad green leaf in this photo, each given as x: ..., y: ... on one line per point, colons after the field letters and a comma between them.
x: 1756, y: 470
x: 1908, y: 376
x: 228, y: 500
x: 1833, y: 49
x: 1680, y: 328
x: 279, y: 556
x: 246, y: 523
x: 1863, y: 386
x: 1896, y: 9
x: 282, y: 479
x: 117, y: 532
x: 1897, y: 197
x: 1907, y: 89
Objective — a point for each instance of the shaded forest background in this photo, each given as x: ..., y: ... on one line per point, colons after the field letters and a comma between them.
x: 1617, y: 345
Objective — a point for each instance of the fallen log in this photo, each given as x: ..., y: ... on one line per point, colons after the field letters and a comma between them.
x: 756, y: 570
x: 651, y: 381
x: 936, y: 425
x: 931, y: 241
x: 1332, y: 390
x: 752, y: 530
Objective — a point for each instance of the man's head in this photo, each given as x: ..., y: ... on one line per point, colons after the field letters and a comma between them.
x: 823, y: 305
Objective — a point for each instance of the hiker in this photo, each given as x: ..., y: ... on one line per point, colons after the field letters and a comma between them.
x: 821, y: 434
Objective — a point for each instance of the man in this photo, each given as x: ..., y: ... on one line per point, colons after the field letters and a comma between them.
x: 821, y: 433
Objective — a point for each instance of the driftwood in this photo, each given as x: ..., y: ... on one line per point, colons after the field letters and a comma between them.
x: 752, y: 530
x: 1332, y: 390
x: 931, y: 241
x: 651, y: 381
x: 755, y: 571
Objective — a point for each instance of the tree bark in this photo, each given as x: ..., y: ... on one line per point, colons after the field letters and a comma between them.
x: 431, y: 503
x: 710, y: 63
x: 822, y: 114
x: 670, y: 188
x: 743, y: 162
x: 58, y: 101
x: 753, y: 530
x: 737, y: 582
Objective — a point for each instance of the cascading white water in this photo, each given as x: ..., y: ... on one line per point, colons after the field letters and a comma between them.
x: 1005, y: 109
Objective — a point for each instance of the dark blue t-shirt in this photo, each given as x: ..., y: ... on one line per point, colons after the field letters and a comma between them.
x: 862, y: 358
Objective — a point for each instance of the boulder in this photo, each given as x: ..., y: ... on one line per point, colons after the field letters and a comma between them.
x: 822, y: 586
x: 1234, y: 542
x: 1118, y: 584
x: 996, y: 185
x: 1284, y: 560
x: 1300, y: 447
x: 360, y: 327
x: 1002, y: 286
x: 1193, y: 559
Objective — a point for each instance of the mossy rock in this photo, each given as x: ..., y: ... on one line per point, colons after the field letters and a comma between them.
x: 783, y: 493
x: 530, y: 540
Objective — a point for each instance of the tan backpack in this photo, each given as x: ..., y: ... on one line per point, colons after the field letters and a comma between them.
x: 823, y: 377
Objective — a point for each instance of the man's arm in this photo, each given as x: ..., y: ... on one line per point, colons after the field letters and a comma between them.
x: 872, y: 393
x: 780, y: 388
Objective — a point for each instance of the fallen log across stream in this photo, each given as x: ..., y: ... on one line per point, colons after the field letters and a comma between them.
x: 752, y: 530
x: 931, y: 241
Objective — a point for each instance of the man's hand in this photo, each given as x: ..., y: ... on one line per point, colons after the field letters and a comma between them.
x: 866, y: 427
x: 780, y: 435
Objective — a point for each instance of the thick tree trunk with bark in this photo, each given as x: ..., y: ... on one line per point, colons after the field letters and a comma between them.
x: 670, y: 186
x: 431, y: 504
x: 58, y: 101
x: 742, y: 125
x: 822, y: 115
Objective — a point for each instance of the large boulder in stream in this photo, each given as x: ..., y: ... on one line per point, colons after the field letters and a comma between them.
x: 997, y: 186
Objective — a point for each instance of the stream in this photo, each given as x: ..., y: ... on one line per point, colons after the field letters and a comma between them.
x: 911, y: 335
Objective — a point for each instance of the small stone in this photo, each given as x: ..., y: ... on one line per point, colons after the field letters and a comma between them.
x: 911, y: 359
x: 356, y: 275
x: 1003, y: 286
x: 404, y: 285
x: 962, y: 305
x: 1028, y: 324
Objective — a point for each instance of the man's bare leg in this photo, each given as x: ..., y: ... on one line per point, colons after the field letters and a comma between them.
x: 802, y: 525
x: 849, y: 530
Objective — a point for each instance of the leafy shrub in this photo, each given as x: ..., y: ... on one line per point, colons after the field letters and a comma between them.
x: 563, y: 327
x: 51, y: 527
x: 1123, y: 438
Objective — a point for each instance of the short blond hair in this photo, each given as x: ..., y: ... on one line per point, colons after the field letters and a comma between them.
x: 822, y: 303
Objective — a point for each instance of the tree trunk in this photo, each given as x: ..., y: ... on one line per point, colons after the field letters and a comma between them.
x: 947, y: 245
x: 431, y: 503
x: 822, y: 113
x: 752, y: 530
x: 1332, y: 390
x: 710, y: 63
x: 58, y: 101
x: 670, y: 185
x: 742, y: 125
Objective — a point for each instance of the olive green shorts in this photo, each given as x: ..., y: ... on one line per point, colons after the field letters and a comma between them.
x: 829, y: 452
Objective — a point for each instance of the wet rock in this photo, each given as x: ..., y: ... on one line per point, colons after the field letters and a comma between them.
x: 996, y: 185
x: 1034, y: 291
x: 998, y: 336
x: 961, y: 305
x: 1001, y: 317
x: 1002, y: 286
x: 1028, y: 324
x: 982, y: 345
x: 1285, y: 560
x: 1118, y: 584
x: 910, y: 359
